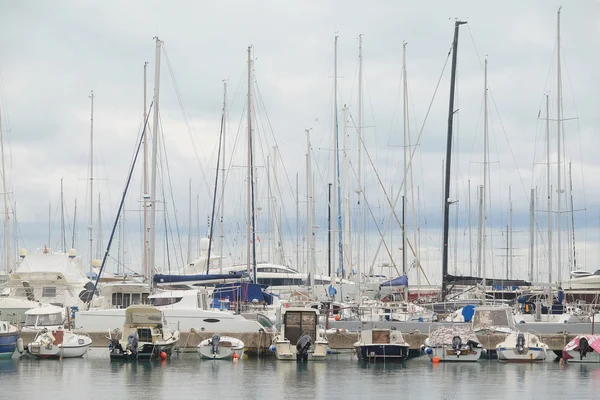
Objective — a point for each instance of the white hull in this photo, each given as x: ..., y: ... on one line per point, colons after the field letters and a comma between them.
x: 73, y: 346
x: 447, y: 354
x: 285, y: 351
x: 592, y: 357
x: 183, y: 319
x: 228, y: 346
x: 529, y: 354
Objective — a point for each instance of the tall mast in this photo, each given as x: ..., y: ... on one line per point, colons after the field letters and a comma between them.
x: 153, y: 188
x: 485, y: 168
x: 276, y: 210
x: 531, y: 233
x: 189, y: 239
x: 62, y: 219
x: 99, y: 241
x: 449, y: 161
x: 359, y: 219
x: 347, y: 232
x: 91, y: 224
x: 251, y: 227
x: 558, y: 139
x: 310, y: 260
x: 572, y: 216
x: 480, y: 232
x: 548, y: 179
x: 405, y: 144
x: 336, y: 175
x: 5, y: 195
x: 510, y: 234
x: 470, y: 233
x: 145, y: 270
x: 222, y: 208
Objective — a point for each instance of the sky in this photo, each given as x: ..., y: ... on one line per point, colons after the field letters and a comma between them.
x: 54, y: 54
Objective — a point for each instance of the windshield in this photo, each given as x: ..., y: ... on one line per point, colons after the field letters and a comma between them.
x: 164, y: 301
x: 488, y: 318
x: 43, y: 320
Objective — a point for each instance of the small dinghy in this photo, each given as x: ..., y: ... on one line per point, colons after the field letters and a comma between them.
x: 383, y: 345
x: 221, y: 347
x: 59, y: 344
x: 583, y: 349
x: 522, y: 347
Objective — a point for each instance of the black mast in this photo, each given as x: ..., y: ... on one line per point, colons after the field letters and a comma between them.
x: 457, y: 24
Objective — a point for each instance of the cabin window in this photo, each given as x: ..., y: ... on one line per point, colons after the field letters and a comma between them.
x: 30, y: 320
x: 144, y: 334
x: 117, y: 300
x: 136, y: 298
x: 49, y: 291
x: 145, y: 298
x: 49, y: 319
x: 164, y: 301
x: 126, y: 300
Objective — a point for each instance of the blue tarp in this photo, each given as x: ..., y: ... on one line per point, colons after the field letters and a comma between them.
x: 241, y: 292
x: 162, y: 278
x: 399, y: 281
x: 467, y: 312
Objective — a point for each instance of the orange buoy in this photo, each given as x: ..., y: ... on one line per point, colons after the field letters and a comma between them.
x: 337, y: 317
x: 163, y: 355
x: 235, y: 356
x: 435, y: 360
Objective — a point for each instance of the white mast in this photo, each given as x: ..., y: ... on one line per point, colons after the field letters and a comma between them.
x: 145, y: 184
x: 470, y: 234
x: 5, y: 195
x: 531, y: 233
x: 485, y: 168
x: 334, y: 195
x: 221, y: 222
x: 276, y: 211
x: 189, y: 240
x: 249, y: 169
x: 310, y: 260
x: 548, y: 178
x: 558, y: 139
x: 62, y: 219
x: 91, y: 225
x: 346, y: 183
x: 510, y: 233
x: 480, y: 233
x: 359, y: 219
x: 153, y: 188
x: 99, y: 241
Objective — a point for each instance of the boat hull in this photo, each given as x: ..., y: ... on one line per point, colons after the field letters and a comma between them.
x: 8, y: 344
x: 146, y: 352
x: 531, y: 354
x: 72, y: 346
x: 285, y: 351
x: 382, y: 352
x: 592, y: 357
x: 447, y: 354
x: 228, y: 346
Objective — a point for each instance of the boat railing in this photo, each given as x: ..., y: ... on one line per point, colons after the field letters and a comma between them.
x: 11, y: 318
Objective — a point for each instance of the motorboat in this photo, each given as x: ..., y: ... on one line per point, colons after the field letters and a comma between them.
x: 453, y: 343
x: 300, y: 337
x: 582, y: 349
x: 546, y: 307
x: 381, y: 345
x: 145, y: 336
x: 9, y: 337
x: 221, y: 347
x: 522, y: 347
x: 45, y: 277
x: 59, y: 343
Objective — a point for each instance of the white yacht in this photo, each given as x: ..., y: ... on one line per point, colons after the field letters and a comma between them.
x: 45, y: 277
x: 184, y: 309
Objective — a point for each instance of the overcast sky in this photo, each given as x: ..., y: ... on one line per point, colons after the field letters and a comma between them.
x: 55, y: 53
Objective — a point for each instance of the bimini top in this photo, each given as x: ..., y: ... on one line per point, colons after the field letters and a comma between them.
x: 44, y: 310
x: 143, y: 315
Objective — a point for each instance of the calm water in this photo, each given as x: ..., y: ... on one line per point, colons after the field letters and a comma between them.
x: 342, y: 377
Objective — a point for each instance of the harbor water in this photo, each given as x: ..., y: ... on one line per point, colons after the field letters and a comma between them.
x: 185, y: 376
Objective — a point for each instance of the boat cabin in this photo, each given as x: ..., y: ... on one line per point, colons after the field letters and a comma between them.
x: 47, y: 316
x: 493, y: 318
x: 298, y: 321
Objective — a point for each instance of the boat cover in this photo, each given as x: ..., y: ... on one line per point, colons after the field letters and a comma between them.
x: 444, y: 335
x: 593, y: 340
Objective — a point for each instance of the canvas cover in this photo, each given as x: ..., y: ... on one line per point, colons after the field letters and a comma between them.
x: 593, y: 340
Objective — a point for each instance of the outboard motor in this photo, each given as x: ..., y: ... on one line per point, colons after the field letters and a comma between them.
x: 132, y: 344
x: 584, y: 347
x: 456, y: 345
x: 520, y: 343
x: 115, y: 346
x: 215, y: 343
x: 302, y: 347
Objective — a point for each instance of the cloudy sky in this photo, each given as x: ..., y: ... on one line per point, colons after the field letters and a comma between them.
x: 54, y: 54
